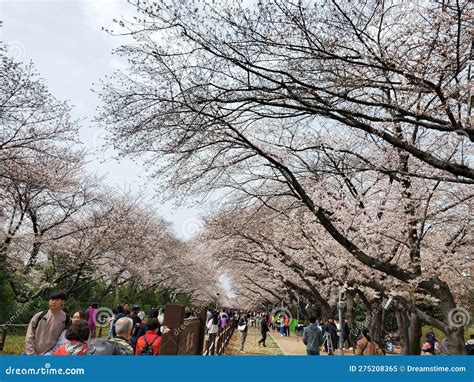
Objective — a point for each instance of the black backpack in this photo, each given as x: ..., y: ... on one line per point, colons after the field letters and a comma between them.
x: 147, y: 349
x: 108, y: 347
x: 42, y: 317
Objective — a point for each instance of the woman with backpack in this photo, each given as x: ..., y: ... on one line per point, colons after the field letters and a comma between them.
x: 149, y: 344
x: 76, y: 335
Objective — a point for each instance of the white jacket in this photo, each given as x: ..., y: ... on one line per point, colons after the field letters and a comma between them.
x: 212, y: 328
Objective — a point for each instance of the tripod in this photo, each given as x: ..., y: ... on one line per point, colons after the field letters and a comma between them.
x: 328, y: 341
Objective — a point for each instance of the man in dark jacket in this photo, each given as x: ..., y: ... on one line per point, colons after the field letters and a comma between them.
x: 143, y: 328
x: 347, y: 334
x: 331, y: 329
x: 119, y: 344
x: 119, y: 313
x: 137, y: 323
x: 263, y: 330
x: 312, y: 337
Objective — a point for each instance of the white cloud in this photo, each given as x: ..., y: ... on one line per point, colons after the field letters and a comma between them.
x: 101, y: 13
x: 225, y: 282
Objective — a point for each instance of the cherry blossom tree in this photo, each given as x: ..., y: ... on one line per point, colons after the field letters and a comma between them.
x: 60, y: 225
x: 33, y: 122
x: 265, y: 249
x: 38, y: 161
x: 358, y: 118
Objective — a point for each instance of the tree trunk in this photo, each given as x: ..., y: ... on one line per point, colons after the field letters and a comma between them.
x: 326, y: 311
x: 350, y: 308
x: 454, y: 335
x: 455, y: 338
x: 3, y: 261
x: 375, y: 321
x: 403, y: 322
x: 414, y: 333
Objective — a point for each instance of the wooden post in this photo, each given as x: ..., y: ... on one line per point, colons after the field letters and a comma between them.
x: 174, y: 317
x: 202, y: 315
x: 4, y: 337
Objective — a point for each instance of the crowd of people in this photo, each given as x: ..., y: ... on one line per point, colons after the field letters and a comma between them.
x: 432, y: 345
x: 54, y: 332
x: 329, y: 336
x: 315, y: 335
x: 218, y: 320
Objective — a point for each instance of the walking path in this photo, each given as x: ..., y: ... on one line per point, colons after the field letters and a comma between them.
x: 276, y: 344
x: 293, y: 345
x: 251, y: 347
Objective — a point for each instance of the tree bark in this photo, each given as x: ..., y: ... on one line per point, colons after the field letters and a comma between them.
x: 350, y: 307
x: 375, y: 321
x: 415, y: 334
x: 403, y: 322
x: 455, y: 338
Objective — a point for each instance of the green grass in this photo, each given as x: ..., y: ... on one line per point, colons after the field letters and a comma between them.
x: 15, y: 344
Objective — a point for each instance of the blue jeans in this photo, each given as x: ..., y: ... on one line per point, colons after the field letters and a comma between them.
x: 312, y: 352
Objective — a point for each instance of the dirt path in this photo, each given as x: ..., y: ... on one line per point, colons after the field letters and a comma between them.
x: 251, y: 347
x: 293, y: 345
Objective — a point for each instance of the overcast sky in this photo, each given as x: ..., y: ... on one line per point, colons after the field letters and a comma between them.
x: 65, y: 41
